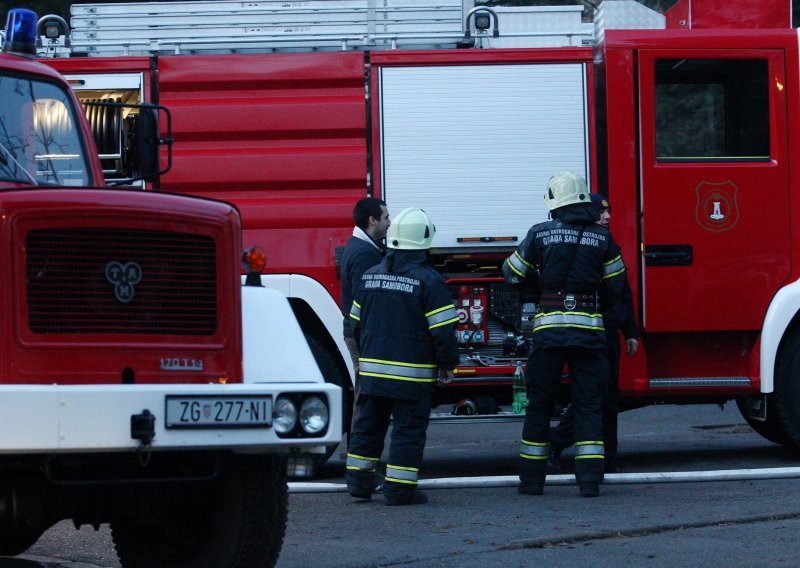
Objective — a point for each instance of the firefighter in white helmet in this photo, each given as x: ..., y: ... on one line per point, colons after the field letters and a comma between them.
x: 617, y: 317
x: 572, y: 260
x: 404, y: 320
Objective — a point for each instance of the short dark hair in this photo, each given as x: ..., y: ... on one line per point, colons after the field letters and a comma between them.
x: 366, y: 208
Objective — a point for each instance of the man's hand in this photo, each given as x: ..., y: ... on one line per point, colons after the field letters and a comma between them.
x: 445, y: 376
x: 631, y: 346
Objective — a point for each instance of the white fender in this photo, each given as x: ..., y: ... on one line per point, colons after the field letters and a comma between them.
x: 782, y: 310
x: 320, y: 301
x: 274, y: 348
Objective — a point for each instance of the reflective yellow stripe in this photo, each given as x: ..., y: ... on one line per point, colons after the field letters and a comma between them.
x: 393, y: 480
x: 522, y: 260
x: 582, y: 320
x: 589, y: 450
x: 519, y: 265
x: 395, y: 377
x: 361, y: 463
x: 399, y: 363
x: 398, y: 370
x: 590, y: 327
x: 441, y: 316
x: 613, y: 267
x: 437, y: 310
x: 534, y: 450
x: 399, y: 474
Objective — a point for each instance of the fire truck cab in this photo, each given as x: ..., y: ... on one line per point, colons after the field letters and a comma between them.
x: 140, y: 384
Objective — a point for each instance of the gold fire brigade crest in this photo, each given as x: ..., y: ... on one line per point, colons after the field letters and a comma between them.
x: 717, y: 210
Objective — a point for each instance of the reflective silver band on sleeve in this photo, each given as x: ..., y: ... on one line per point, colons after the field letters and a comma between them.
x: 519, y: 265
x: 613, y: 267
x: 441, y: 316
x: 399, y: 474
x: 534, y: 450
x: 420, y: 373
x: 361, y: 463
x: 355, y: 311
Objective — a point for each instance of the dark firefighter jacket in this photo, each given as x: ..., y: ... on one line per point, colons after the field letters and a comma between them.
x: 618, y: 313
x: 577, y: 260
x: 359, y: 255
x: 404, y: 320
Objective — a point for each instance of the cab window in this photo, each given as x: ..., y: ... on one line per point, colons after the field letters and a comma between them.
x: 712, y: 110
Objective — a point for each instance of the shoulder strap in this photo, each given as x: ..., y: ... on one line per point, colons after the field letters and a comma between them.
x: 571, y: 259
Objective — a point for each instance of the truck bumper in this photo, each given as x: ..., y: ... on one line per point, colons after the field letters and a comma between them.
x: 89, y: 418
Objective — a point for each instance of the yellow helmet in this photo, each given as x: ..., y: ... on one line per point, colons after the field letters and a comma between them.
x: 566, y: 188
x: 411, y: 229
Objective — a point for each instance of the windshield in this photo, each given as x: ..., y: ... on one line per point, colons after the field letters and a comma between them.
x: 40, y: 141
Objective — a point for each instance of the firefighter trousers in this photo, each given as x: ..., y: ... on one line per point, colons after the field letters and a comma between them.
x: 407, y: 442
x: 563, y: 435
x: 588, y: 378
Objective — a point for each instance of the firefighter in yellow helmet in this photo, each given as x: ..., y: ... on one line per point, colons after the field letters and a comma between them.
x: 404, y: 321
x: 572, y: 260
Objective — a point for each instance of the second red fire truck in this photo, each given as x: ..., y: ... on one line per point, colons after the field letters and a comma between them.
x: 294, y: 110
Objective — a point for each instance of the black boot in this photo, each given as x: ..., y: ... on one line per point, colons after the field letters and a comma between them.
x: 413, y: 498
x: 530, y: 488
x: 590, y: 489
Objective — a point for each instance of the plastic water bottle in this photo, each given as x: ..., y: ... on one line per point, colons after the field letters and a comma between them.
x: 520, y: 389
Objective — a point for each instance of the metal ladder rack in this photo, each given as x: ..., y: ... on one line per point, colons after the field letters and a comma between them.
x: 226, y: 26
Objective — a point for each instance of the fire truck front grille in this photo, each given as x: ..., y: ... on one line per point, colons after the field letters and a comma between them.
x: 120, y: 281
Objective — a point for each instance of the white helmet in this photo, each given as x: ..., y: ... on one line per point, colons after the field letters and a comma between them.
x: 411, y: 229
x: 566, y: 188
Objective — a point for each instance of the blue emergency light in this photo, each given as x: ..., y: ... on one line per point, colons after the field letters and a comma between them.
x: 20, y: 33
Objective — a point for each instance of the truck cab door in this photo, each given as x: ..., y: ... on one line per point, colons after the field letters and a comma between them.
x: 714, y: 187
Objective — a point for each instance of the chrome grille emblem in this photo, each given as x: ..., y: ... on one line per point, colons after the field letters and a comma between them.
x: 124, y: 277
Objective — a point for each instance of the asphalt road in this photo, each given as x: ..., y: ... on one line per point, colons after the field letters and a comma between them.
x: 742, y: 523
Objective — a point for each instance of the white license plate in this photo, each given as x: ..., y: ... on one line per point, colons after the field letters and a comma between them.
x: 253, y: 411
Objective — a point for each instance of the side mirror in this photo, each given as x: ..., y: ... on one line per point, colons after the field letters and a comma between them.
x: 148, y: 143
x: 130, y: 148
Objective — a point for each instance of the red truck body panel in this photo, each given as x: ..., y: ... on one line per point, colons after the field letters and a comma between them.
x: 287, y: 138
x: 719, y: 14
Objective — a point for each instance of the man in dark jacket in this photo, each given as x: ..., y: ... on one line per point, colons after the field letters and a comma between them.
x: 618, y: 315
x: 405, y: 320
x: 364, y: 250
x: 574, y: 260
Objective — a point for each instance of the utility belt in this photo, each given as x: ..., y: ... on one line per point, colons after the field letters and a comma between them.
x: 570, y: 301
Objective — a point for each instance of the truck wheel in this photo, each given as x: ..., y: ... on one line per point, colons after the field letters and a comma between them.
x: 770, y: 429
x: 13, y: 542
x: 333, y: 374
x: 787, y: 387
x: 238, y: 520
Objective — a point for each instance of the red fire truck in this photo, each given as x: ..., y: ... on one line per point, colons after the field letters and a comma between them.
x: 294, y: 110
x: 140, y: 384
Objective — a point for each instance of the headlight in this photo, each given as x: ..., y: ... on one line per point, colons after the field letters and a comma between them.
x: 284, y: 415
x: 313, y: 415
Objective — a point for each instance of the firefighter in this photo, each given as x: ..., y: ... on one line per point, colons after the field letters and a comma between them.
x: 617, y: 317
x: 572, y: 259
x: 405, y: 321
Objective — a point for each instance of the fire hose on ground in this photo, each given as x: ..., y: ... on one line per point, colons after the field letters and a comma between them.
x: 569, y: 479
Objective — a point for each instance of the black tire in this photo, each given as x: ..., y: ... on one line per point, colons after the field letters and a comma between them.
x: 332, y: 373
x: 237, y: 521
x: 787, y: 387
x: 770, y: 429
x: 14, y: 542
